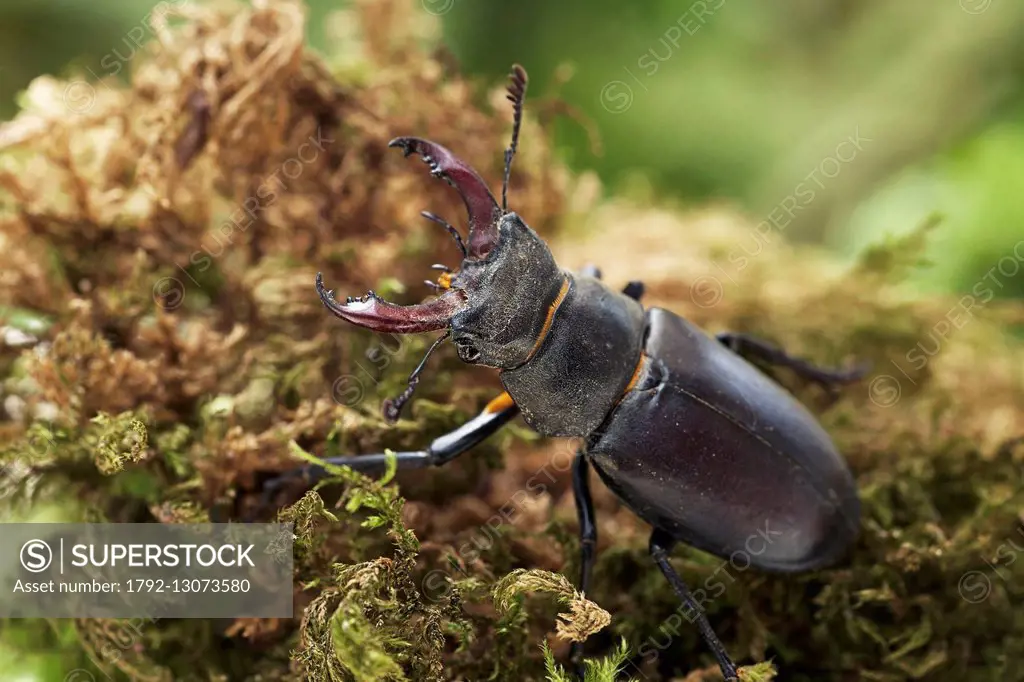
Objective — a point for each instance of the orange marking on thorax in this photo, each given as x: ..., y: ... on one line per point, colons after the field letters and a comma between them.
x: 636, y: 374
x: 502, y: 402
x: 445, y: 280
x: 550, y: 318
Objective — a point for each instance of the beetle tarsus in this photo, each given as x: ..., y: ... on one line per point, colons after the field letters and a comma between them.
x: 744, y: 345
x: 392, y: 407
x: 483, y: 209
x: 660, y: 546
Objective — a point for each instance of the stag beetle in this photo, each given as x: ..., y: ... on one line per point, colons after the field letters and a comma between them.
x: 694, y: 439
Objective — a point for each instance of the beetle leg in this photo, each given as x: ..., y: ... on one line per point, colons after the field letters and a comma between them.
x: 588, y: 538
x: 441, y: 451
x: 634, y: 289
x: 393, y: 407
x: 661, y: 545
x: 744, y: 345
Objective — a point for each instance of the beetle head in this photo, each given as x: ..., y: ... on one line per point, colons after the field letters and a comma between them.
x: 508, y: 297
x: 497, y: 304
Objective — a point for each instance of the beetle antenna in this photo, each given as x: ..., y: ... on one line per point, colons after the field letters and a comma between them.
x: 393, y: 406
x: 451, y: 230
x: 516, y: 95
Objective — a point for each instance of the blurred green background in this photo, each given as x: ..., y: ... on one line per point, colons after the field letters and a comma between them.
x: 747, y: 102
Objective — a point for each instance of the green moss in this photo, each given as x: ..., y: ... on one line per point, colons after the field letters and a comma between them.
x: 585, y: 617
x: 116, y: 441
x: 601, y: 670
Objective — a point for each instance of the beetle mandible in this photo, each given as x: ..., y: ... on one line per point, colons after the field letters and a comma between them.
x: 698, y: 442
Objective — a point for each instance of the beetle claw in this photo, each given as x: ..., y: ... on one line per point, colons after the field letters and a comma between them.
x: 402, y: 144
x: 373, y: 312
x: 483, y: 209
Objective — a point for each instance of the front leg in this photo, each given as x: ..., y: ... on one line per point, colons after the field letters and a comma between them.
x: 634, y: 289
x: 442, y: 450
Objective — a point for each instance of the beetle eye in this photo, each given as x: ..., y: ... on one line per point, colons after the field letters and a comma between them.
x: 467, y: 351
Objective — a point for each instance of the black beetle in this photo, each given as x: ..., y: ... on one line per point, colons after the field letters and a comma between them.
x: 694, y: 439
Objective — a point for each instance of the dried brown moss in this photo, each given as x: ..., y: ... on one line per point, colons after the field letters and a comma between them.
x: 159, y: 240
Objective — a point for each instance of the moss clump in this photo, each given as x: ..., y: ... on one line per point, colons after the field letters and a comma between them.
x: 158, y: 249
x: 602, y: 670
x: 377, y: 622
x: 584, y: 618
x: 118, y: 441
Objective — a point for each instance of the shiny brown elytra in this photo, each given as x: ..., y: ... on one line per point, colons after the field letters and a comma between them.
x: 693, y: 438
